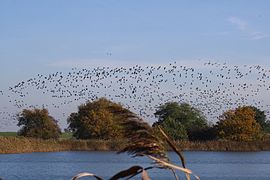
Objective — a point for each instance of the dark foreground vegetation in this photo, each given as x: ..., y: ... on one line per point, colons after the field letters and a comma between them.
x: 10, y: 145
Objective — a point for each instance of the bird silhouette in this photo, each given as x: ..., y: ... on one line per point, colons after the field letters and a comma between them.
x: 212, y: 88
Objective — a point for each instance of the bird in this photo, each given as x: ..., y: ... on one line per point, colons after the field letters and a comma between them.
x: 212, y: 88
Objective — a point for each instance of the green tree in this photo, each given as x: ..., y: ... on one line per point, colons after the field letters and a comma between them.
x: 181, y: 119
x: 260, y: 118
x: 174, y: 128
x: 100, y: 119
x: 38, y: 123
x: 239, y: 125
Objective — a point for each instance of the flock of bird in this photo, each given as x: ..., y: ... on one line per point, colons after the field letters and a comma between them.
x: 210, y: 87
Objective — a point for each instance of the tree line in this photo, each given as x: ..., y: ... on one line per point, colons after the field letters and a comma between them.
x: 104, y: 119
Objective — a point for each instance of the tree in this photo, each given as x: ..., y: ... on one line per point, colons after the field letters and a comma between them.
x: 100, y: 119
x: 179, y: 119
x: 38, y: 123
x: 260, y: 118
x: 175, y: 129
x: 239, y: 125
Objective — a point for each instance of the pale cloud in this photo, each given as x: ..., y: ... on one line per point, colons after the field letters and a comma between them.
x: 199, y: 63
x: 239, y: 23
x: 258, y: 35
x: 221, y: 33
x: 92, y: 63
x: 246, y: 29
x: 86, y: 63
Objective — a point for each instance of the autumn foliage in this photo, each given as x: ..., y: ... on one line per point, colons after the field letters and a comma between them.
x: 239, y: 125
x: 37, y: 123
x: 100, y: 119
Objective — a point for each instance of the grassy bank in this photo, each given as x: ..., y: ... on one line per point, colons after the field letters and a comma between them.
x: 5, y: 134
x: 64, y: 135
x: 224, y: 146
x: 11, y: 144
x: 25, y: 145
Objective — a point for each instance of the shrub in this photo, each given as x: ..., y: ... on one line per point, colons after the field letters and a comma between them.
x: 38, y: 123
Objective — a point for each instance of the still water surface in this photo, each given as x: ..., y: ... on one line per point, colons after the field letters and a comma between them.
x: 63, y: 165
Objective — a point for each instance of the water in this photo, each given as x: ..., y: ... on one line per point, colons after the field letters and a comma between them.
x: 64, y: 165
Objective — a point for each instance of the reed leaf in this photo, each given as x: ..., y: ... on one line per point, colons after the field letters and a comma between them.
x: 142, y: 141
x: 173, y: 146
x: 131, y: 172
x: 86, y: 174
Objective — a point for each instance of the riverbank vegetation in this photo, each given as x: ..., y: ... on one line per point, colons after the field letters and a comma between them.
x: 98, y: 124
x: 11, y: 145
x: 63, y: 135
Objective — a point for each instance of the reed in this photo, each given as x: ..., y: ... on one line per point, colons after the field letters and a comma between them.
x: 143, y: 142
x: 9, y: 145
x: 220, y: 145
x: 12, y: 144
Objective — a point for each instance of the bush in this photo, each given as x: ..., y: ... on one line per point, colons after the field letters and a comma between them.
x: 239, y: 125
x: 100, y: 119
x: 179, y: 120
x: 38, y: 123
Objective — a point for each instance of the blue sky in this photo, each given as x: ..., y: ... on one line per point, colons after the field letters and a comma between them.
x: 49, y: 36
x: 42, y: 36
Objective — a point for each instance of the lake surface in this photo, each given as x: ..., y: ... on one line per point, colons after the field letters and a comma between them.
x: 64, y: 165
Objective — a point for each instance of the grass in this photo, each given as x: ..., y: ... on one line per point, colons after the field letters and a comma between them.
x: 65, y: 135
x: 15, y: 144
x: 11, y: 143
x: 5, y: 134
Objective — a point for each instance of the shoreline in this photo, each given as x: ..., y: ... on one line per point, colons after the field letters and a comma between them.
x: 15, y: 145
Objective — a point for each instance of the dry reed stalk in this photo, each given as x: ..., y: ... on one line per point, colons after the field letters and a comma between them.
x: 175, y: 149
x: 185, y: 170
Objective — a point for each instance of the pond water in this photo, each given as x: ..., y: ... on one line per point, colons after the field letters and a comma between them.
x: 64, y: 165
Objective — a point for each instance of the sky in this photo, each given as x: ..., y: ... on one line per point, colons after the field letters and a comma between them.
x: 41, y: 37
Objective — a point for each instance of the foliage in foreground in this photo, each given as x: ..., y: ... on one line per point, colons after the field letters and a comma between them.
x: 143, y: 142
x: 37, y: 123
